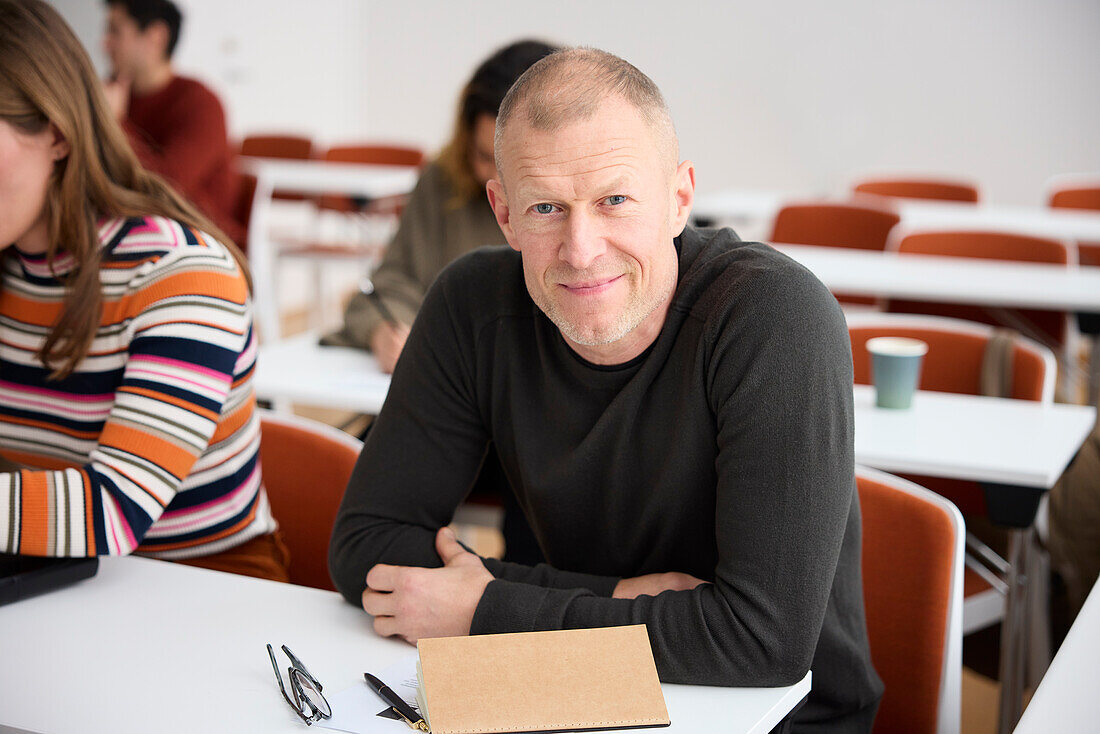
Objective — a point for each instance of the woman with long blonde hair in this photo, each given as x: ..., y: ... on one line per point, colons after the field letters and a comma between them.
x: 127, y: 420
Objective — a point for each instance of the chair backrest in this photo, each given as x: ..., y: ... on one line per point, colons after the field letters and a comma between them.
x: 306, y: 466
x: 381, y: 155
x: 294, y: 147
x: 913, y: 543
x: 1074, y: 191
x: 910, y: 188
x: 831, y: 224
x: 1052, y: 327
x: 1071, y: 192
x: 860, y: 226
x: 956, y: 349
x: 377, y: 154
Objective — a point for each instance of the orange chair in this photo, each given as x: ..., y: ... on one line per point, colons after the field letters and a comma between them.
x: 1076, y: 192
x: 293, y: 147
x: 862, y: 226
x: 910, y: 188
x: 912, y: 592
x: 1050, y: 327
x: 953, y: 364
x: 377, y: 154
x: 306, y: 466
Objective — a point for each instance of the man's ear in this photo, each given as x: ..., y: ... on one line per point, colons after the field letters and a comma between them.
x: 683, y: 195
x: 59, y: 148
x: 498, y: 200
x: 157, y: 33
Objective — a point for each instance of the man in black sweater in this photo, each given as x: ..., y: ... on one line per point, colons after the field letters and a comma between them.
x: 672, y: 407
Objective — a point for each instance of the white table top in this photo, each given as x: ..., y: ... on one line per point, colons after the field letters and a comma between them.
x: 298, y: 369
x: 154, y: 646
x: 321, y: 177
x: 950, y: 279
x: 1066, y: 699
x: 740, y: 206
x: 1018, y: 442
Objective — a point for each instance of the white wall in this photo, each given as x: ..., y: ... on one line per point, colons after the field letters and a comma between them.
x: 793, y: 95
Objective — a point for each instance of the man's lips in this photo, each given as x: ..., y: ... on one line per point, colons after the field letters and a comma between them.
x: 590, y: 287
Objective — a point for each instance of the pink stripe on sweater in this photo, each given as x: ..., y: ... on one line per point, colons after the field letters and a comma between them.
x: 188, y: 366
x: 177, y: 519
x: 66, y: 396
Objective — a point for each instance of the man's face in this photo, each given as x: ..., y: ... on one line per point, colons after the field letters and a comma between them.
x: 131, y: 49
x: 593, y: 208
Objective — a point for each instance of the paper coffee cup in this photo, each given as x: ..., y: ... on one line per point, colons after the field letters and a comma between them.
x: 895, y: 369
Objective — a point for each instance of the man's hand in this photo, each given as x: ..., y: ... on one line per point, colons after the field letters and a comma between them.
x: 117, y: 91
x: 654, y: 583
x: 386, y: 342
x: 427, y: 602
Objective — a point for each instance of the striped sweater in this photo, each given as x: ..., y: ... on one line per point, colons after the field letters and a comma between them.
x: 151, y: 444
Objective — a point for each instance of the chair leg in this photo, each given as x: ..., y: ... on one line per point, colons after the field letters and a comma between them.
x: 1038, y: 600
x: 1013, y: 631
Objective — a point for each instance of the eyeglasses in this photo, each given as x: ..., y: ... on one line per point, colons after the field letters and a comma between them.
x: 308, y: 702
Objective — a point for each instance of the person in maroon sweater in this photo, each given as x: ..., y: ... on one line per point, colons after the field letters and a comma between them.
x: 175, y: 125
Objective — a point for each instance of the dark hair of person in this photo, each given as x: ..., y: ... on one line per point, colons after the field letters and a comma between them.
x: 46, y: 78
x: 147, y: 12
x: 482, y: 95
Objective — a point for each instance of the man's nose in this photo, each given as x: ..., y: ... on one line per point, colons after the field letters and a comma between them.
x: 583, y: 241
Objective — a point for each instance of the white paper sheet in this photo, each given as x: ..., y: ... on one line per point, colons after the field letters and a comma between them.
x: 360, y: 710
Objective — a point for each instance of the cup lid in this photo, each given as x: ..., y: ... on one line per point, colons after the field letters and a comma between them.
x: 897, y: 346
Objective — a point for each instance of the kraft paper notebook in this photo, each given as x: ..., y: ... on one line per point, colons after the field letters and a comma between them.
x: 566, y: 680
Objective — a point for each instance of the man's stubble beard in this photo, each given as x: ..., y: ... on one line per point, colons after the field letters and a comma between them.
x: 638, y: 308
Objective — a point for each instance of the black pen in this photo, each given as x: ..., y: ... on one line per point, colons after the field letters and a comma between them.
x: 366, y: 287
x: 411, y: 718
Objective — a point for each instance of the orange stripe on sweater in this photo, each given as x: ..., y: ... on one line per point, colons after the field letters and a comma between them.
x: 170, y: 457
x: 37, y: 461
x: 170, y: 400
x: 232, y: 422
x: 34, y: 527
x: 89, y: 520
x: 227, y: 286
x: 30, y: 311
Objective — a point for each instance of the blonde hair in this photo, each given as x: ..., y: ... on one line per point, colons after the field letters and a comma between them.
x: 46, y: 78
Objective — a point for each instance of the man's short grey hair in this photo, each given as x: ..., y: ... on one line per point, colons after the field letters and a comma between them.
x: 569, y: 85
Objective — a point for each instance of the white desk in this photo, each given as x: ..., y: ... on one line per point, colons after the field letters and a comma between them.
x: 1016, y: 442
x: 1066, y: 699
x: 154, y: 646
x: 950, y: 279
x: 305, y: 177
x: 757, y: 209
x: 298, y: 369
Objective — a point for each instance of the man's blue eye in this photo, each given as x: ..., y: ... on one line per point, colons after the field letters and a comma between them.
x: 616, y: 199
x: 544, y: 208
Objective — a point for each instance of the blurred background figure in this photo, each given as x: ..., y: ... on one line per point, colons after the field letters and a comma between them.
x: 176, y: 125
x: 447, y: 214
